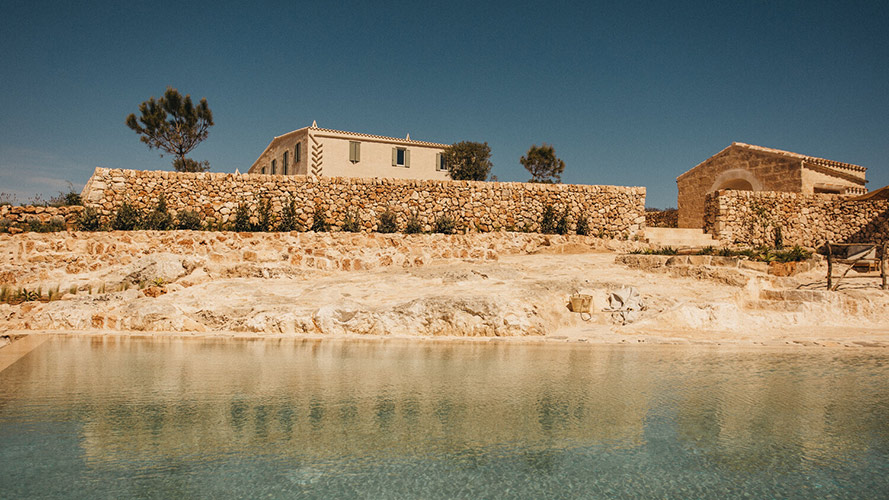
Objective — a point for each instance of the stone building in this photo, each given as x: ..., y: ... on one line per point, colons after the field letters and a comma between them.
x: 754, y: 168
x: 336, y: 153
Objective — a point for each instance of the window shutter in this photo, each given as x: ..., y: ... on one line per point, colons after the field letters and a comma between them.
x: 437, y: 161
x: 407, y: 158
x: 296, y: 152
x: 357, y: 151
x: 394, y: 156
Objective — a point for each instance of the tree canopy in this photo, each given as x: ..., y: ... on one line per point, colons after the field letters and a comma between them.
x: 543, y: 164
x: 468, y: 161
x: 174, y: 125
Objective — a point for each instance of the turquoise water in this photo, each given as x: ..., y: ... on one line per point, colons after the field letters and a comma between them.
x: 119, y: 418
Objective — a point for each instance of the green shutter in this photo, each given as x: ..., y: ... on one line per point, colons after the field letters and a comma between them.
x: 407, y: 158
x: 394, y: 156
x: 437, y: 161
x: 357, y: 151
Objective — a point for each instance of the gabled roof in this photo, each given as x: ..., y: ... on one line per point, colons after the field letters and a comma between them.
x: 820, y: 163
x: 810, y: 159
x: 877, y: 194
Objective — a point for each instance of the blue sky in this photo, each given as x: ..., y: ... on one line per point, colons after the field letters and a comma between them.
x: 629, y: 93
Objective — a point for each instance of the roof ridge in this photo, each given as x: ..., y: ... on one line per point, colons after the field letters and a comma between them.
x: 814, y: 159
x: 375, y: 136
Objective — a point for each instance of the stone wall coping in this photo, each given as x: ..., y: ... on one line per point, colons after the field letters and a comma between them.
x: 211, y: 176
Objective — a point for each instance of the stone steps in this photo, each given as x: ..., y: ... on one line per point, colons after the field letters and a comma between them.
x: 678, y: 237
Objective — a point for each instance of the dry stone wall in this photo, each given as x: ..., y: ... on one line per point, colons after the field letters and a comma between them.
x: 18, y: 216
x: 475, y: 206
x: 751, y: 218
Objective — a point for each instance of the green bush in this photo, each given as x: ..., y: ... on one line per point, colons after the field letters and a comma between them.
x: 548, y: 220
x: 5, y: 224
x: 159, y: 219
x: 444, y: 225
x: 126, y: 218
x: 265, y: 218
x: 414, y: 226
x: 583, y: 226
x: 55, y: 224
x: 187, y: 219
x: 562, y: 223
x: 242, y: 218
x: 388, y: 222
x: 287, y: 222
x: 319, y: 221
x: 350, y: 223
x: 88, y: 220
x: 33, y: 225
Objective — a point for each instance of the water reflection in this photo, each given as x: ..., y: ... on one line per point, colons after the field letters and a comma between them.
x: 305, y: 402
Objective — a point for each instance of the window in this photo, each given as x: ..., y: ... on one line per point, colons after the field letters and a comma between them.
x: 401, y: 157
x: 440, y: 163
x: 263, y: 169
x: 274, y: 166
x: 296, y: 152
x: 285, y: 162
x: 354, y: 151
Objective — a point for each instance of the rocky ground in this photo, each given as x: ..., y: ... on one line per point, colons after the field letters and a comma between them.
x: 509, y: 290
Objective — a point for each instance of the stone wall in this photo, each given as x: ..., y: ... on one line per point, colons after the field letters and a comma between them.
x: 19, y: 216
x: 78, y: 258
x: 750, y: 218
x: 662, y: 218
x: 476, y: 206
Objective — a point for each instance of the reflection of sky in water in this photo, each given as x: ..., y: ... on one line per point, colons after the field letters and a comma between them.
x: 127, y: 417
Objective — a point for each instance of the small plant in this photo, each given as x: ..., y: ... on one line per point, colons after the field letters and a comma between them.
x: 66, y: 198
x: 583, y: 226
x: 88, y: 220
x: 126, y: 218
x: 548, y: 220
x: 414, y: 226
x: 73, y: 290
x: 159, y: 219
x: 34, y: 225
x: 319, y: 222
x: 242, y: 218
x: 350, y: 223
x: 287, y: 221
x: 388, y: 222
x: 795, y: 254
x: 188, y: 220
x: 5, y: 224
x: 444, y: 225
x: 55, y: 224
x: 779, y: 238
x: 4, y: 293
x: 562, y: 223
x: 265, y: 217
x: 655, y: 251
x: 158, y: 282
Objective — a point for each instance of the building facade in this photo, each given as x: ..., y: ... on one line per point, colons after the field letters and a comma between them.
x: 754, y: 168
x: 337, y: 153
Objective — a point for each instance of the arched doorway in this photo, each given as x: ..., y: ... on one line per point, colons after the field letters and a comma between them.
x: 736, y: 179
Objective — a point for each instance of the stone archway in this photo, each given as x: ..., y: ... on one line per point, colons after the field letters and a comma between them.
x: 737, y: 179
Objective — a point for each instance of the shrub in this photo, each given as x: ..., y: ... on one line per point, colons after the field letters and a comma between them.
x: 779, y: 238
x: 159, y: 219
x: 126, y: 218
x: 319, y: 221
x: 583, y: 226
x: 388, y: 222
x: 55, y: 224
x: 287, y: 221
x: 34, y: 225
x: 66, y: 198
x: 265, y: 217
x: 88, y: 220
x: 242, y: 218
x: 562, y: 224
x: 5, y: 224
x: 414, y: 226
x: 444, y: 225
x: 188, y: 219
x: 795, y: 254
x: 548, y: 220
x: 350, y: 223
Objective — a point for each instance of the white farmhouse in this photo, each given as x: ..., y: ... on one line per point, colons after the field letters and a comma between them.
x: 336, y: 153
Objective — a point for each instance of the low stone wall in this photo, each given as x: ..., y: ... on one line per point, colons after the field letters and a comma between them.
x: 752, y: 218
x: 66, y: 258
x: 662, y: 218
x: 19, y: 216
x: 475, y: 206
